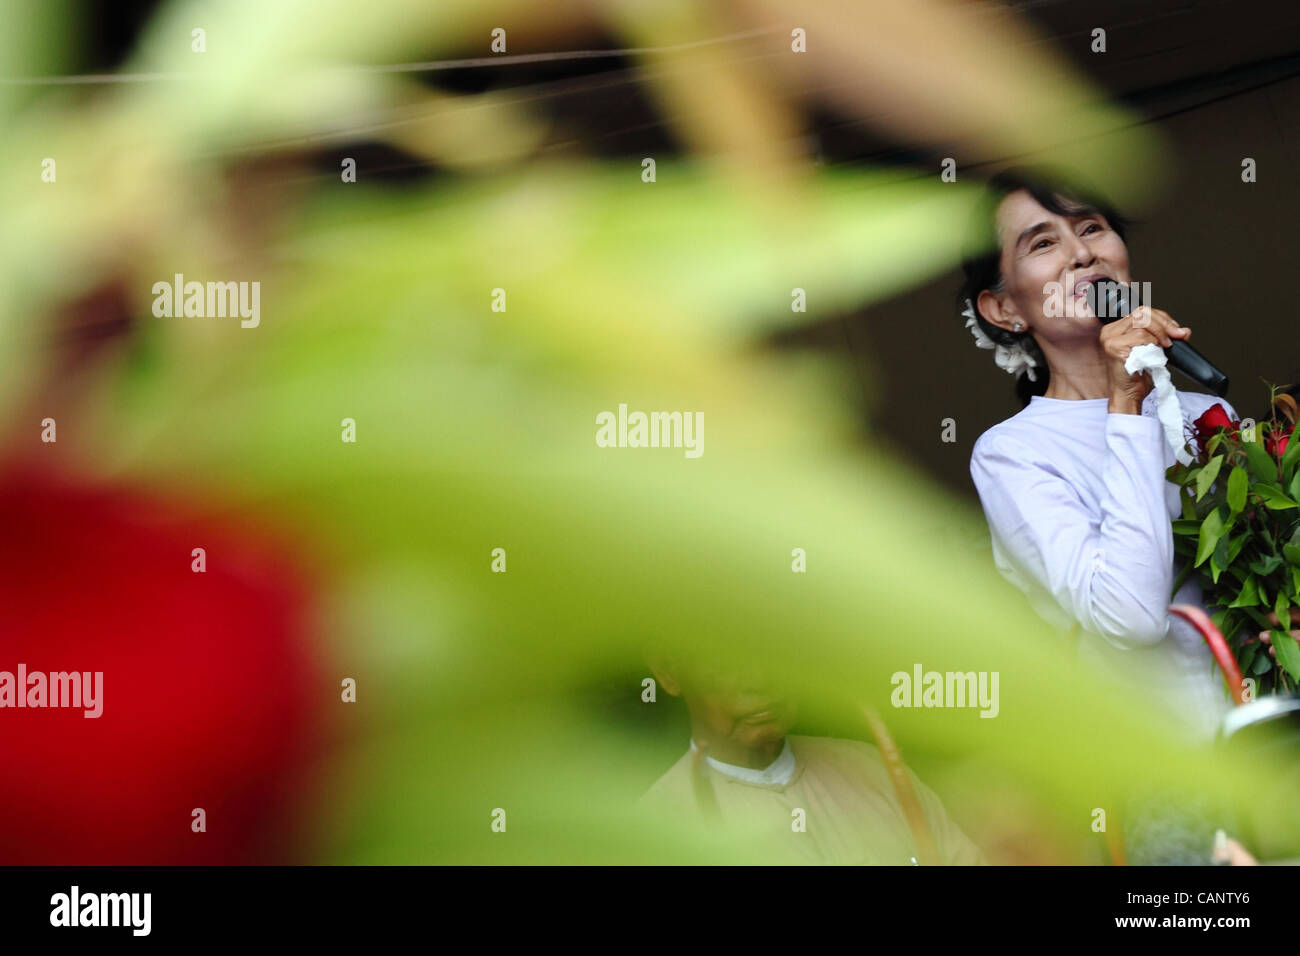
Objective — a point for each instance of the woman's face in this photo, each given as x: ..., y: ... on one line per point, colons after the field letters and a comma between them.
x: 1047, y: 260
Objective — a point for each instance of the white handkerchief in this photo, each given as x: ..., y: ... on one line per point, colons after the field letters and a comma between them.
x: 1151, y: 358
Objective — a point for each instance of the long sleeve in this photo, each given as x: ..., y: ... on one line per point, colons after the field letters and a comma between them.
x: 1110, y: 564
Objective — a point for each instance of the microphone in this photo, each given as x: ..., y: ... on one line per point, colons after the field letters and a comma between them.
x: 1110, y: 301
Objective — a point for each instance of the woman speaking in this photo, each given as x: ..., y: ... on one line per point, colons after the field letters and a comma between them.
x: 1073, y: 486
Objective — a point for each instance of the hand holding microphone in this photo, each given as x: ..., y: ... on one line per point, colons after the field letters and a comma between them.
x: 1110, y: 302
x: 1119, y: 336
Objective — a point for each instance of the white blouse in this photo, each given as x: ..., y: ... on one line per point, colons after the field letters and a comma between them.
x: 1079, y: 513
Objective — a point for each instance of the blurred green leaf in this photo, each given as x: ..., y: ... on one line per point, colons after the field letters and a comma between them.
x: 1237, y: 485
x: 1288, y: 655
x: 1262, y: 465
x: 1212, y: 529
x: 1207, y: 475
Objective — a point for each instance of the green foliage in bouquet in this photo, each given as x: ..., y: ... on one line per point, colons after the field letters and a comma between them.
x: 1240, y: 531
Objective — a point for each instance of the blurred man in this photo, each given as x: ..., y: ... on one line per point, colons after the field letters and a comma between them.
x: 802, y: 799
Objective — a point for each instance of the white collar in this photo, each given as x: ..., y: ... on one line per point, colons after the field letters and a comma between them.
x: 777, y: 774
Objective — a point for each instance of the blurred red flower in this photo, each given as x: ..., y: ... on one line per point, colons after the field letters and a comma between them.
x: 1275, y: 444
x: 209, y: 689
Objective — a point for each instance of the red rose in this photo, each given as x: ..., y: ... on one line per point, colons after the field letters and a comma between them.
x: 1275, y: 444
x: 1215, y: 417
x: 209, y: 692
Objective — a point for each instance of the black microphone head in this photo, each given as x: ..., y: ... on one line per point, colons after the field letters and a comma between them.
x: 1108, y: 299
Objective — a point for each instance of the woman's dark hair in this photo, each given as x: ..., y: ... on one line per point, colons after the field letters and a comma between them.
x: 1056, y: 192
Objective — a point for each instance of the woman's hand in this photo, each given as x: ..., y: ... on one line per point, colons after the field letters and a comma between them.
x: 1143, y: 326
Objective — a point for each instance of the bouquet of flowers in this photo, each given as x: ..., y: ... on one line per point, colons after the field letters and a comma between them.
x: 1240, y: 534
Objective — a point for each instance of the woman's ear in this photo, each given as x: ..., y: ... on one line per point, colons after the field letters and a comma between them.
x: 1000, y: 313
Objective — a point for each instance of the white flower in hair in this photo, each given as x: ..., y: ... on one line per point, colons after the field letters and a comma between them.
x: 1012, y: 358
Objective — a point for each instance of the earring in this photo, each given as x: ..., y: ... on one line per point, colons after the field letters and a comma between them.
x: 1018, y: 326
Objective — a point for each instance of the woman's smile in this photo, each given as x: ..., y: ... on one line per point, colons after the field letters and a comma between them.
x: 1081, y: 286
